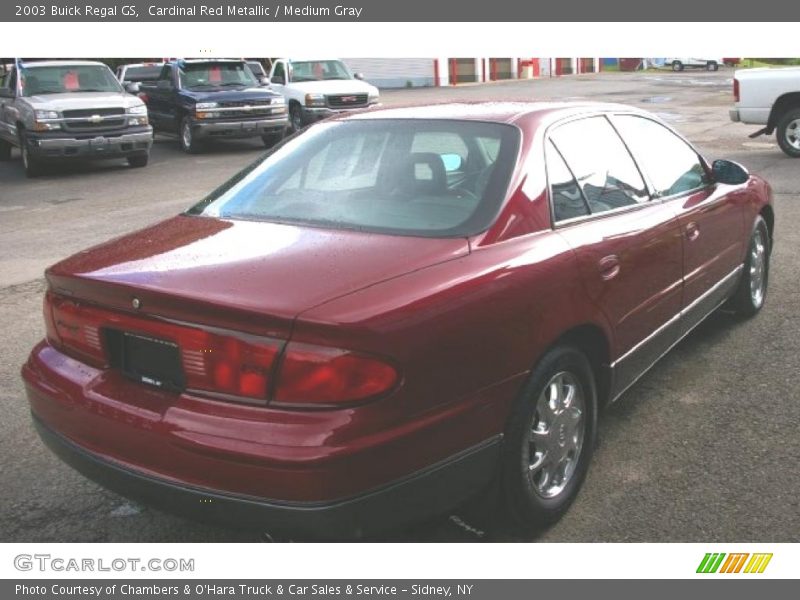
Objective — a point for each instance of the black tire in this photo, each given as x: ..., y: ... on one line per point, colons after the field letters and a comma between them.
x: 677, y: 65
x: 186, y: 139
x: 270, y: 139
x: 296, y: 121
x: 525, y: 506
x: 787, y: 132
x: 33, y: 167
x: 745, y: 300
x: 712, y: 65
x: 5, y: 150
x: 137, y: 161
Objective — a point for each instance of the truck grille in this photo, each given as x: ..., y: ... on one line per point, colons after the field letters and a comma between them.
x: 347, y: 100
x: 88, y: 119
x: 250, y: 108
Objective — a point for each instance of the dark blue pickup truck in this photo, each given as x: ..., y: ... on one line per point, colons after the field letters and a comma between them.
x: 213, y: 99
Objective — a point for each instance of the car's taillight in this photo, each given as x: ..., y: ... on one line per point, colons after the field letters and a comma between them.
x: 314, y: 376
x: 736, y: 90
x: 73, y: 326
x: 227, y: 364
x: 220, y: 363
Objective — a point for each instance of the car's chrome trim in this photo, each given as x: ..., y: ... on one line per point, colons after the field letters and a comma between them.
x: 688, y: 309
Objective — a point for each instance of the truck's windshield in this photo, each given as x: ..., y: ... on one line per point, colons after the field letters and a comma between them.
x: 216, y: 74
x: 67, y: 79
x: 319, y: 70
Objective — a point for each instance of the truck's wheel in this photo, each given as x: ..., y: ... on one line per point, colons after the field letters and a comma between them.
x: 712, y: 65
x: 788, y: 132
x: 33, y: 168
x: 186, y: 137
x: 137, y: 161
x: 5, y: 150
x: 677, y: 65
x: 295, y: 117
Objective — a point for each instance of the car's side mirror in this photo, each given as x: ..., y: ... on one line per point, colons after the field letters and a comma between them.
x: 359, y: 76
x: 264, y: 80
x: 133, y: 87
x: 729, y: 172
x: 279, y: 79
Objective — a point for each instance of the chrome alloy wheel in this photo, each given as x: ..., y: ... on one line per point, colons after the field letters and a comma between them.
x: 758, y: 267
x: 186, y: 134
x: 792, y: 134
x: 556, y: 435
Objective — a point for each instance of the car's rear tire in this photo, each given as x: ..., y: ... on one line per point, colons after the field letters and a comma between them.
x: 677, y: 65
x: 549, y: 440
x: 137, y: 161
x: 33, y: 167
x: 751, y: 292
x: 186, y: 139
x: 5, y: 150
x: 712, y: 65
x: 787, y: 132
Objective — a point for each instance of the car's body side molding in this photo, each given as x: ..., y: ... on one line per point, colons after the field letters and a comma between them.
x: 631, y: 366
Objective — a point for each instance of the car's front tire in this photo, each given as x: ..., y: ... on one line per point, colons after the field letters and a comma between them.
x: 186, y: 138
x: 677, y: 65
x: 270, y: 139
x: 296, y: 117
x: 33, y: 167
x: 712, y: 65
x: 751, y: 293
x: 788, y: 132
x: 5, y: 150
x: 549, y: 440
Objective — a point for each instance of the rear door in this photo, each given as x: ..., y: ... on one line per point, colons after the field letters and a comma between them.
x: 711, y: 221
x: 628, y: 247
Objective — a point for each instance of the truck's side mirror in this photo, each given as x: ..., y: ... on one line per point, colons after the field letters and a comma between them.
x: 359, y: 76
x: 264, y: 80
x: 279, y: 79
x: 132, y: 87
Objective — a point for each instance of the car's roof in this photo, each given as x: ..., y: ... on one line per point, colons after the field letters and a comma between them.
x: 501, y: 112
x: 61, y: 63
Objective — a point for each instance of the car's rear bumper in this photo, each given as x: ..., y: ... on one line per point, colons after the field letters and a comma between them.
x: 425, y: 493
x: 320, y: 473
x: 100, y: 146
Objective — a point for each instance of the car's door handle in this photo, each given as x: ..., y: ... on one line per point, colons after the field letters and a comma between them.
x: 609, y: 267
x: 692, y: 231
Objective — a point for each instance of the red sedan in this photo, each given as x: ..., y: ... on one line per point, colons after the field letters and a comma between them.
x: 392, y: 311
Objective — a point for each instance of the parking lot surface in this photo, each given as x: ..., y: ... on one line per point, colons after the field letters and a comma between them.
x: 705, y: 447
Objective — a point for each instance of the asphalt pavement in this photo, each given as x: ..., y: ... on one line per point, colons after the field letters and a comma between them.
x: 704, y: 448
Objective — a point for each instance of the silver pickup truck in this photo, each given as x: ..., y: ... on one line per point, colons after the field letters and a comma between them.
x: 58, y: 110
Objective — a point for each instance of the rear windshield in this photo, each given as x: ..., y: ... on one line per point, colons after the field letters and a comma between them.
x: 204, y: 75
x: 436, y: 178
x: 67, y: 78
x: 148, y: 73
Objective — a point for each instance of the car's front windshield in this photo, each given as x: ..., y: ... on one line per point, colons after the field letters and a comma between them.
x: 319, y: 70
x: 423, y: 177
x: 61, y: 79
x: 216, y: 74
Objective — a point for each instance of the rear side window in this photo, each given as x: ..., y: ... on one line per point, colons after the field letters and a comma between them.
x: 671, y: 164
x: 600, y: 163
x: 568, y: 201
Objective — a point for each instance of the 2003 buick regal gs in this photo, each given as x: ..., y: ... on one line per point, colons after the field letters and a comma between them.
x: 392, y: 311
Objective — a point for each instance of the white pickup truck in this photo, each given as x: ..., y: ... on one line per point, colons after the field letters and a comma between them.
x: 316, y: 89
x: 770, y: 97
